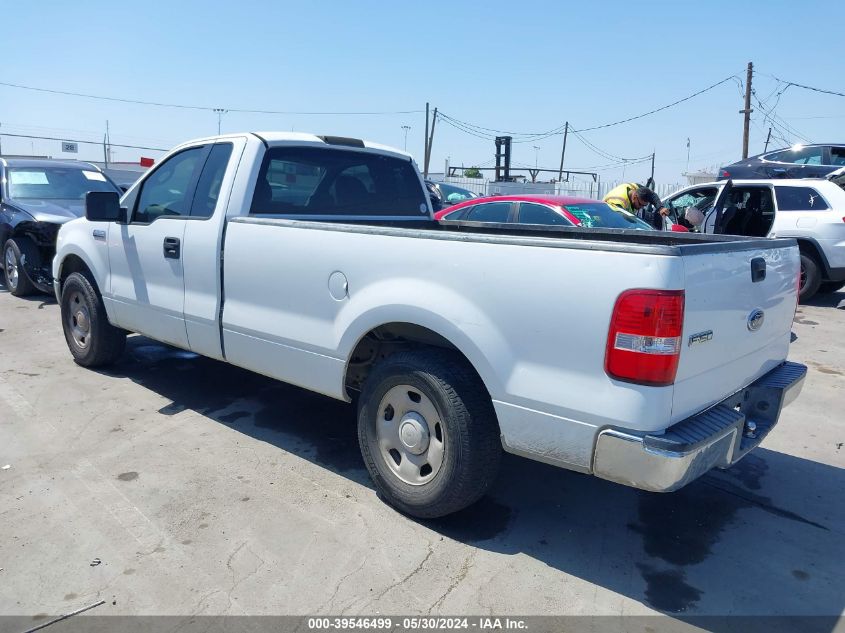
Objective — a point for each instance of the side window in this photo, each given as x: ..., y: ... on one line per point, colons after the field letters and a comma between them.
x: 799, y: 199
x: 490, y: 212
x: 168, y: 190
x: 837, y: 156
x: 208, y: 186
x: 530, y: 213
x: 800, y: 156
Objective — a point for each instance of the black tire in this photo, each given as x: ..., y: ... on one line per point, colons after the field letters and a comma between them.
x: 92, y: 340
x: 15, y: 277
x: 828, y: 287
x: 811, y: 278
x: 466, y: 427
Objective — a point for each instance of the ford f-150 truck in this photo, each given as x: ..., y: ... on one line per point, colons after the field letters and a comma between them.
x: 644, y: 358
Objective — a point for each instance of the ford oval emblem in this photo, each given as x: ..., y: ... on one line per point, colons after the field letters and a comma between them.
x: 755, y: 320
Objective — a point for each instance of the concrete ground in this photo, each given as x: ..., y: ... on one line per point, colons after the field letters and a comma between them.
x: 173, y: 484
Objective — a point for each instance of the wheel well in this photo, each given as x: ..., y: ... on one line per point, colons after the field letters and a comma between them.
x: 811, y: 250
x: 384, y: 340
x: 75, y: 264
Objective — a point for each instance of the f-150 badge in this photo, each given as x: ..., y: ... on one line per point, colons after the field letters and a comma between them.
x: 700, y: 337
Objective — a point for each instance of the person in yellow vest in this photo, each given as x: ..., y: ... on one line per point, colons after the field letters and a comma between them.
x: 635, y: 198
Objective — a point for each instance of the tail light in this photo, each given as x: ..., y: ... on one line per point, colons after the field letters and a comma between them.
x: 644, y: 341
x: 724, y: 174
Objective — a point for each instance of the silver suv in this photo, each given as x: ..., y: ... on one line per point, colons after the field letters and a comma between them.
x: 810, y: 210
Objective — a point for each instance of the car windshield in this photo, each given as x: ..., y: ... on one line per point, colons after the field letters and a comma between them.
x: 454, y: 194
x: 602, y: 216
x: 55, y: 183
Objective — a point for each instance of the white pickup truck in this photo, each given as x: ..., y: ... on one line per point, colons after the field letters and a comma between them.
x: 644, y: 358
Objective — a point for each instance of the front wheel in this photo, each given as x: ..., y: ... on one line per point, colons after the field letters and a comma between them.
x: 428, y: 432
x: 92, y: 340
x: 17, y: 281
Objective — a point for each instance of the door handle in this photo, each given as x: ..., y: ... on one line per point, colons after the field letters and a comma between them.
x: 171, y: 247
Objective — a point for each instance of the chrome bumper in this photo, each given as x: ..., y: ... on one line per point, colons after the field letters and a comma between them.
x: 715, y: 438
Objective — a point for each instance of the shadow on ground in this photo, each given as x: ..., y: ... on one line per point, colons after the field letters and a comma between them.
x: 763, y: 538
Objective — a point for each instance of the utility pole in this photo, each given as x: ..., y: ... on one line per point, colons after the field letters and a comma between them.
x: 768, y: 138
x: 425, y: 138
x: 563, y: 151
x: 652, y: 166
x: 688, y: 154
x: 106, y: 146
x: 406, y: 128
x: 747, y: 111
x: 430, y: 142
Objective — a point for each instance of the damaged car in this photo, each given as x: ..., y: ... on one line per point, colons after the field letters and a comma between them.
x: 36, y: 198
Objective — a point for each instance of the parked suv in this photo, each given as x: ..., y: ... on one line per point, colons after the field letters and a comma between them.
x: 810, y: 210
x: 36, y: 198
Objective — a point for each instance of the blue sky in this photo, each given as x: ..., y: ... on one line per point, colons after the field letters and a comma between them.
x: 526, y: 67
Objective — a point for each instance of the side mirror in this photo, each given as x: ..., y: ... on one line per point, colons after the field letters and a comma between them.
x: 103, y: 206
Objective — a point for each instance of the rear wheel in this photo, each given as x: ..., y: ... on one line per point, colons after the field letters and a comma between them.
x: 14, y: 255
x: 92, y: 340
x: 810, y: 278
x: 428, y: 432
x: 831, y: 286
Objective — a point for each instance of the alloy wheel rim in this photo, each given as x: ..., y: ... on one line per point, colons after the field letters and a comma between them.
x: 11, y: 264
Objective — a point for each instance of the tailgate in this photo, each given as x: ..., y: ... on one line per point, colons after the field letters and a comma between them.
x: 735, y: 329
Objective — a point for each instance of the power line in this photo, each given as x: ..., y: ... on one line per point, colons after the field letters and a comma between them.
x: 198, y: 107
x: 487, y: 133
x: 605, y: 154
x: 71, y: 140
x: 650, y: 112
x: 792, y: 83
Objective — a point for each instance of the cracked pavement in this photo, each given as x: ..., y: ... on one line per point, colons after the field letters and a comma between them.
x: 205, y: 489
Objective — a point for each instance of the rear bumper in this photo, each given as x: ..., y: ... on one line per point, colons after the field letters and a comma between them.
x: 715, y: 438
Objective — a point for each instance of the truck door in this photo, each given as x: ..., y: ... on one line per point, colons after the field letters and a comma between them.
x: 145, y: 255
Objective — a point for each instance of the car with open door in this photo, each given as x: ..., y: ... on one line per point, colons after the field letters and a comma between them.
x: 810, y: 210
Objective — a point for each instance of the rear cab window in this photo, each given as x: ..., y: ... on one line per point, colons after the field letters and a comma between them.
x: 799, y: 199
x: 316, y: 181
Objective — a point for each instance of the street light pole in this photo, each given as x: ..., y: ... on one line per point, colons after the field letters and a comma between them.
x: 220, y: 112
x: 406, y: 128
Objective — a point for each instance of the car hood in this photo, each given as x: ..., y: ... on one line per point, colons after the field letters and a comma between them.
x: 53, y: 211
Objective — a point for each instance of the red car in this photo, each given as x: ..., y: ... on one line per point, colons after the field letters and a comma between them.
x: 542, y: 209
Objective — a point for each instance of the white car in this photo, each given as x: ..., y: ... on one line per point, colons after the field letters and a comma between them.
x: 644, y: 358
x: 810, y: 210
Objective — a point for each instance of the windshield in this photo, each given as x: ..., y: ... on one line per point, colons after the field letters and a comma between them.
x: 55, y: 183
x: 600, y: 215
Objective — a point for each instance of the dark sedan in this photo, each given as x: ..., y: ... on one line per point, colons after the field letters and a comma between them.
x: 798, y: 161
x: 36, y: 198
